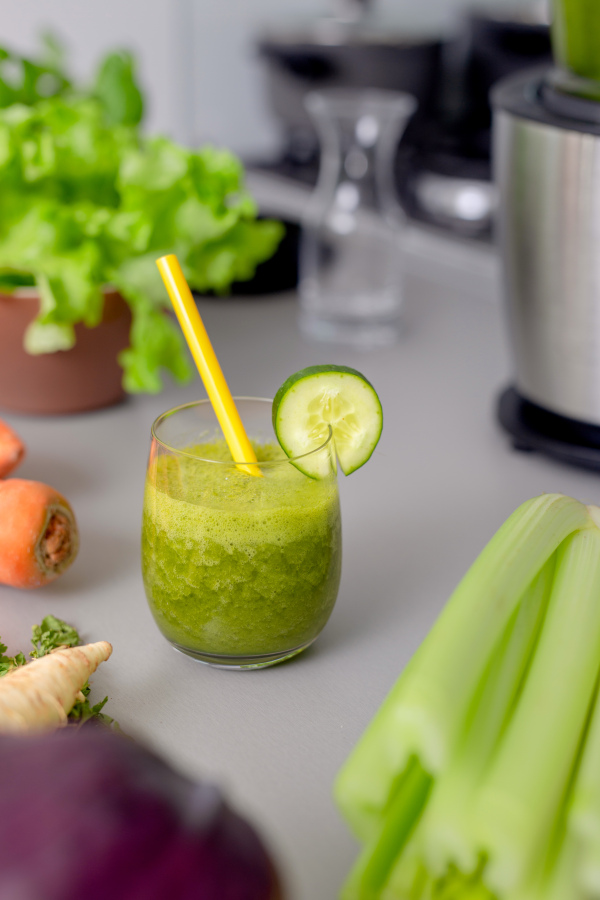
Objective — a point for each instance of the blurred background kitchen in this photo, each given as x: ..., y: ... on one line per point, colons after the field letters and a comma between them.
x: 234, y: 73
x: 226, y: 99
x: 370, y: 185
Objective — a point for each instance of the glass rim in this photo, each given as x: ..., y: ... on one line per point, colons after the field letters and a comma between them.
x: 226, y: 462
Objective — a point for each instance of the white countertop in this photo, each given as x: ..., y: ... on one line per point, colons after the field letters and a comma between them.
x: 442, y: 479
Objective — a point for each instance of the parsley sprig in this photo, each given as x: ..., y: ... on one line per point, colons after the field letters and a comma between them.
x: 55, y: 634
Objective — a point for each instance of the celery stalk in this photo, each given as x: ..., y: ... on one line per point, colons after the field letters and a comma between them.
x: 589, y: 870
x: 584, y: 813
x: 427, y: 709
x: 563, y: 882
x: 521, y: 799
x: 420, y: 884
x: 445, y: 829
x: 408, y: 878
x: 589, y: 855
x: 372, y: 868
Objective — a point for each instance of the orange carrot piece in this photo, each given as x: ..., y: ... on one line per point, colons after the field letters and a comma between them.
x: 12, y: 450
x: 38, y: 533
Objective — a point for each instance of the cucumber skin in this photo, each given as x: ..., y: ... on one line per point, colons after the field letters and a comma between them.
x: 308, y: 372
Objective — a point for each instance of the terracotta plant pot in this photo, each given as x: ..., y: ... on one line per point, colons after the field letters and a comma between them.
x: 86, y: 377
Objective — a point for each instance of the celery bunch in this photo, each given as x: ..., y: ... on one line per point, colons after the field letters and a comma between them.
x: 479, y: 777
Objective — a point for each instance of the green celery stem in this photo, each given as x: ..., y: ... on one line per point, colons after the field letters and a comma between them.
x: 427, y: 711
x: 446, y: 832
x: 373, y: 865
x: 522, y: 798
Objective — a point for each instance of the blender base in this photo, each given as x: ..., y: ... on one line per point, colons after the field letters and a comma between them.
x: 535, y: 429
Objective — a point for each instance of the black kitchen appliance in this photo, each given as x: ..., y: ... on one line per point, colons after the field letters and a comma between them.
x: 443, y: 165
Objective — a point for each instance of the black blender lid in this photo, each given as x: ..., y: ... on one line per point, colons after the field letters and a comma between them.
x: 526, y: 96
x: 535, y: 429
x: 562, y: 102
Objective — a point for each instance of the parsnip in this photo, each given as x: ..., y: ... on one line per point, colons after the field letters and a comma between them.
x: 39, y: 696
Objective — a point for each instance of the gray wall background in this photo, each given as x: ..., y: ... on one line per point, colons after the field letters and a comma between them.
x: 197, y: 60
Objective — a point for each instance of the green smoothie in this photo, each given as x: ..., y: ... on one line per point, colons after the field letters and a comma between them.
x: 235, y: 565
x: 576, y: 38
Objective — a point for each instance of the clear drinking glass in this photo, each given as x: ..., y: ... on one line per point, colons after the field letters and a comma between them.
x: 239, y: 570
x: 350, y: 266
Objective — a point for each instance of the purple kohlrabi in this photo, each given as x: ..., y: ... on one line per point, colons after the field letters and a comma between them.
x: 91, y: 815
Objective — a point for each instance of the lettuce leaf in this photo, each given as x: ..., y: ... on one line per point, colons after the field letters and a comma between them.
x: 86, y: 200
x: 117, y: 90
x: 23, y: 80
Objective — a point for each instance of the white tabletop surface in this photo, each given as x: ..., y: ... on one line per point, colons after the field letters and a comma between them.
x: 442, y: 479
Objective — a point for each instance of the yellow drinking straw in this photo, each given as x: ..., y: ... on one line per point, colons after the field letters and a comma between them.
x: 207, y: 362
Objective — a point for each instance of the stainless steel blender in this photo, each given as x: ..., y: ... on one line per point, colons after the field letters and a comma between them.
x: 547, y: 168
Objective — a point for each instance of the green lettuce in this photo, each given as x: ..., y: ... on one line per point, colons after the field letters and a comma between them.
x: 86, y: 200
x: 24, y: 80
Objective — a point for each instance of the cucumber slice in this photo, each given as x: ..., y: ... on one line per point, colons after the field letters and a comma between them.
x: 321, y: 396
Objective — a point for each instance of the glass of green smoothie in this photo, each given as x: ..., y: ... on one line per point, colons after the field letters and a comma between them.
x: 240, y: 571
x: 576, y: 46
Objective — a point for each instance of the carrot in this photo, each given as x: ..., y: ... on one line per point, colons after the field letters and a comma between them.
x: 12, y: 450
x: 39, y: 695
x: 38, y: 533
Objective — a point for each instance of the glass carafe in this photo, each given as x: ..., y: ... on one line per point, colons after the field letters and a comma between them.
x: 350, y: 260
